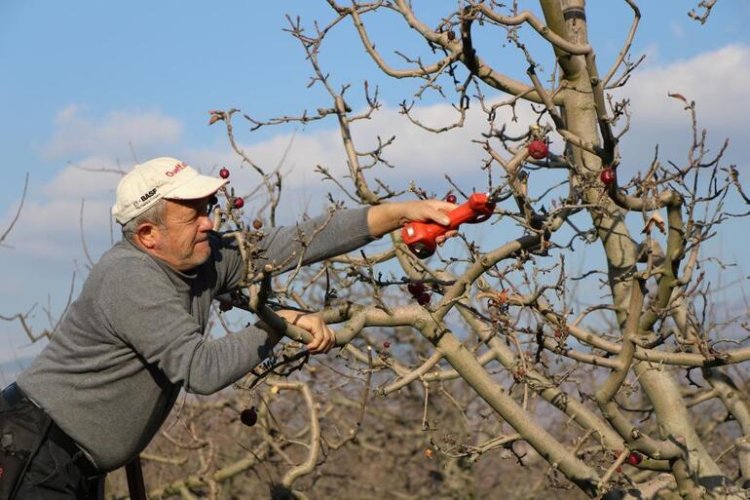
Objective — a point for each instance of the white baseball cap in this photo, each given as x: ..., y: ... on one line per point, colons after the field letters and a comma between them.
x: 160, y: 178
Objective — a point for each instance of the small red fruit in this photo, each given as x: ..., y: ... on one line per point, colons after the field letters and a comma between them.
x: 386, y: 344
x: 224, y: 172
x: 257, y: 224
x: 423, y: 298
x: 416, y: 289
x: 249, y: 416
x: 608, y: 176
x: 634, y: 458
x: 538, y: 149
x: 239, y: 203
x: 451, y: 198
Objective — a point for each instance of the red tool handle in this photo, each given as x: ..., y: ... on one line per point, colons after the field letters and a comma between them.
x: 421, y: 237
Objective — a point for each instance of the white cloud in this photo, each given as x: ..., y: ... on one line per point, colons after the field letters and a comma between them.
x: 653, y: 55
x: 423, y: 152
x: 91, y: 177
x: 716, y: 81
x: 49, y: 226
x: 417, y: 154
x: 51, y: 229
x: 50, y: 223
x: 78, y: 134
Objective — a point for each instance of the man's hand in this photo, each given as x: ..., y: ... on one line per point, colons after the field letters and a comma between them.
x: 387, y: 217
x: 323, y: 337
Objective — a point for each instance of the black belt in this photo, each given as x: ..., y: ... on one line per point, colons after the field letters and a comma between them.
x: 13, y: 395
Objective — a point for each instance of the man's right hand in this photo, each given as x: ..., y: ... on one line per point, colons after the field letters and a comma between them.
x: 387, y: 217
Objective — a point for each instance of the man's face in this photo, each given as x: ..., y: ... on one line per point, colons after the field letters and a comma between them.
x: 182, y: 241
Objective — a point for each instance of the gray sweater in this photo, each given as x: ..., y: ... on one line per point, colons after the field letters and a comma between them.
x: 135, y: 336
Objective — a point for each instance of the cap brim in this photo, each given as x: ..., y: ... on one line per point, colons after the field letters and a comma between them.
x: 200, y: 186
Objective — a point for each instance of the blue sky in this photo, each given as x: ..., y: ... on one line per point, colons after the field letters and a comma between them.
x: 101, y: 84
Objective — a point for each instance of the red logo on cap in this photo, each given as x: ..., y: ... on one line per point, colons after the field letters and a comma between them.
x: 176, y: 169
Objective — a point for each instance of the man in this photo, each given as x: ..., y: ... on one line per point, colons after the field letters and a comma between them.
x: 135, y: 336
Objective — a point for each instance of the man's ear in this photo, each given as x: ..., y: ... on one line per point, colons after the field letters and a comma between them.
x: 147, y: 235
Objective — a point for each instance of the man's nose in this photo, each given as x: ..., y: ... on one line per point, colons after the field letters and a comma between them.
x: 206, y: 223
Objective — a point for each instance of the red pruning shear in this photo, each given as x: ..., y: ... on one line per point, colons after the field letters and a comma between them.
x: 421, y: 237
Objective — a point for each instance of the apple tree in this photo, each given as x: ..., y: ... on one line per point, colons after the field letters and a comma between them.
x: 512, y: 318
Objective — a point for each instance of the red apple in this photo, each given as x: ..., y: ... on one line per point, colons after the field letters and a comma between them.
x: 416, y: 289
x: 538, y: 149
x: 423, y: 299
x: 634, y: 458
x: 224, y: 173
x: 239, y: 203
x: 451, y: 198
x: 608, y: 176
x: 249, y: 416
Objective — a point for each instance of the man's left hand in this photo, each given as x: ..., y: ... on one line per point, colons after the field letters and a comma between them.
x: 323, y: 337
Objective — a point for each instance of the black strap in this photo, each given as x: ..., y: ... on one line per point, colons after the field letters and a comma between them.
x: 574, y: 13
x: 134, y: 473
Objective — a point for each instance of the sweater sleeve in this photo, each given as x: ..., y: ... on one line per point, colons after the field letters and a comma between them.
x: 307, y: 242
x: 155, y: 321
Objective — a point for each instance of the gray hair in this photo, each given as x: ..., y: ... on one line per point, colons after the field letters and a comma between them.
x: 154, y: 215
